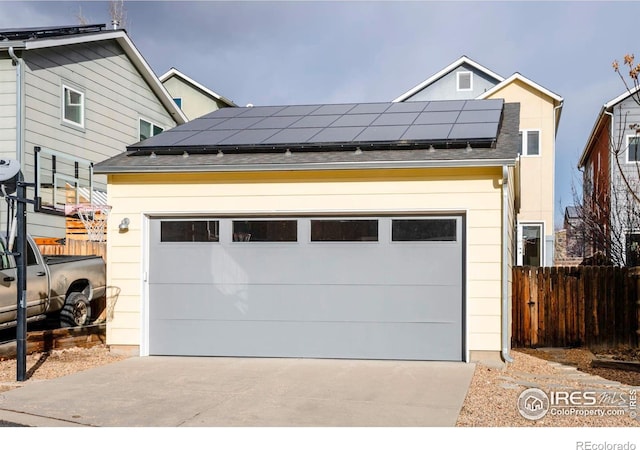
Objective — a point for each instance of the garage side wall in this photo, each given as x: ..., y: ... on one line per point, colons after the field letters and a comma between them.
x: 473, y: 191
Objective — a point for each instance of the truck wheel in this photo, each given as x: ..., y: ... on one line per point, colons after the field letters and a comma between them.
x: 76, y: 311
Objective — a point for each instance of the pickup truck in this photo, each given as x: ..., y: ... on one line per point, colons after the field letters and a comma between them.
x: 58, y: 287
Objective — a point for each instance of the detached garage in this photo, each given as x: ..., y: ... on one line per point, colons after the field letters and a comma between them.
x: 374, y: 231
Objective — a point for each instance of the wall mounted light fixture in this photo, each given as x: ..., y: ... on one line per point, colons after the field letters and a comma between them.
x: 124, y: 225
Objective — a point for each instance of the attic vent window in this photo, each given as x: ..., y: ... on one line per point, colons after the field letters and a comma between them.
x: 465, y: 81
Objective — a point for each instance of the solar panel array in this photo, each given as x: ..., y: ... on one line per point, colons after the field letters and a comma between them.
x: 456, y: 121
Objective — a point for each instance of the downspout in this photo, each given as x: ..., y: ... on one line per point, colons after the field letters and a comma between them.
x: 19, y: 127
x: 505, y: 267
x: 11, y: 221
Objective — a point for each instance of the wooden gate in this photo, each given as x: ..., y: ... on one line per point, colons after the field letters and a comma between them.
x: 593, y: 306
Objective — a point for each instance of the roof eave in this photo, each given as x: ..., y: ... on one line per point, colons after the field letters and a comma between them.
x: 522, y: 78
x: 98, y: 169
x: 596, y: 127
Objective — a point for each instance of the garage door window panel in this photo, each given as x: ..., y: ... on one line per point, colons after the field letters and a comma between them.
x: 190, y: 231
x: 265, y: 231
x: 344, y: 231
x: 430, y: 230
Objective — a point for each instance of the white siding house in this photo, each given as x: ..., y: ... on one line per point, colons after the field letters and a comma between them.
x: 84, y: 94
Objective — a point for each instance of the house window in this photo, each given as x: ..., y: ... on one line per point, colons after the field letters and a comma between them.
x: 265, y: 231
x: 72, y: 106
x: 530, y: 251
x: 423, y: 230
x: 344, y: 230
x: 633, y: 249
x: 178, y: 101
x: 529, y: 143
x: 633, y: 149
x: 465, y: 81
x: 149, y: 129
x: 189, y: 231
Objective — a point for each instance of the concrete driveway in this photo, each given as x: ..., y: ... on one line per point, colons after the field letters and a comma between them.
x: 211, y: 392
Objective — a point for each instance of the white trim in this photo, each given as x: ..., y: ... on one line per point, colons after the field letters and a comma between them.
x: 525, y: 142
x: 457, y: 63
x: 464, y: 72
x: 173, y: 72
x: 145, y: 221
x: 626, y: 156
x: 525, y: 80
x: 66, y: 87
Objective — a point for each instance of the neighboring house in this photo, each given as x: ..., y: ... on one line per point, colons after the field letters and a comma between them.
x: 375, y: 230
x: 540, y: 111
x: 194, y: 99
x: 612, y: 150
x: 570, y: 239
x: 69, y: 97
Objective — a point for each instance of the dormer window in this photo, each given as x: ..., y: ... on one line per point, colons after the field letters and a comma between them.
x: 465, y: 81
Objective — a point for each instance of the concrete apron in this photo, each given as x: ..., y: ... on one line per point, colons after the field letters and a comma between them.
x: 211, y: 392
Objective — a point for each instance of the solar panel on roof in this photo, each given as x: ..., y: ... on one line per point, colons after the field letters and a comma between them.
x: 339, y: 125
x: 474, y: 131
x: 338, y: 134
x: 315, y: 121
x: 237, y: 123
x: 248, y: 137
x: 297, y: 110
x: 383, y: 133
x: 494, y: 103
x: 368, y: 108
x: 292, y: 136
x: 479, y: 115
x: 447, y: 105
x: 223, y: 112
x: 207, y: 138
x: 407, y: 107
x: 166, y: 139
x: 355, y: 120
x: 433, y: 117
x: 261, y: 111
x: 396, y: 119
x: 275, y: 122
x: 435, y: 132
x: 333, y: 109
x: 201, y: 124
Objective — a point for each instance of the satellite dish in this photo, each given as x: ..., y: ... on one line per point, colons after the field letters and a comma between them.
x: 9, y: 169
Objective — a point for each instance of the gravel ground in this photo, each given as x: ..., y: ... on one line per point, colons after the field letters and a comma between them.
x: 493, y: 394
x: 490, y: 402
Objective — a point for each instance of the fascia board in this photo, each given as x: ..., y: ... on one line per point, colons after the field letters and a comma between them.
x: 309, y: 166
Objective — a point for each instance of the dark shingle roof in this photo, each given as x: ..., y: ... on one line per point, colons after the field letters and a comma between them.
x: 480, y: 132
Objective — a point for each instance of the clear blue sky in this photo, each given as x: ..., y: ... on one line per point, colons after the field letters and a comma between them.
x: 300, y: 52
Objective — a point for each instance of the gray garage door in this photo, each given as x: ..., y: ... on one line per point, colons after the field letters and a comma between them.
x: 324, y: 287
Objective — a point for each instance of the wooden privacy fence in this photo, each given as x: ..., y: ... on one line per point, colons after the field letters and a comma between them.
x: 591, y: 306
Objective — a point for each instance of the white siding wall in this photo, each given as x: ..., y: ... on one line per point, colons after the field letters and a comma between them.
x: 7, y: 108
x: 116, y: 96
